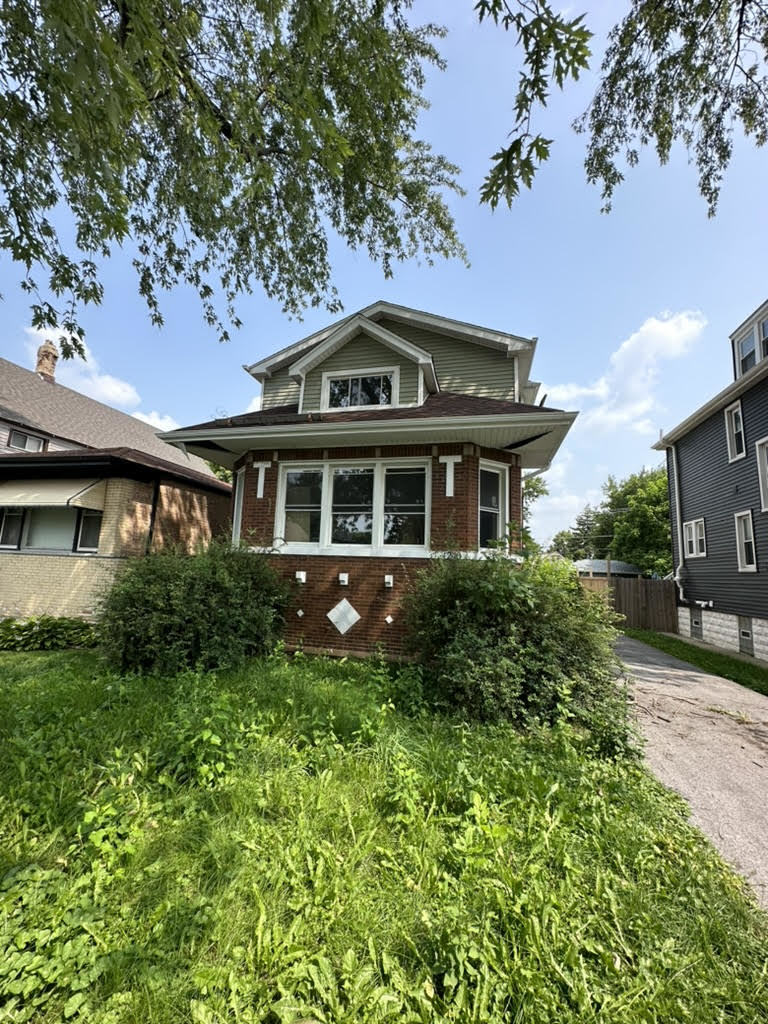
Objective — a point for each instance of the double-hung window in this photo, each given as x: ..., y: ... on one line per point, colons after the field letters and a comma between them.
x: 763, y: 331
x: 695, y: 539
x: 746, y: 350
x: 492, y: 519
x: 25, y: 442
x: 761, y: 452
x: 734, y: 431
x: 745, y: 542
x: 359, y: 390
x: 359, y: 506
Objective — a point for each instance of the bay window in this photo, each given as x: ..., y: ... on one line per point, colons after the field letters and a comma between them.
x: 51, y: 529
x: 356, y: 507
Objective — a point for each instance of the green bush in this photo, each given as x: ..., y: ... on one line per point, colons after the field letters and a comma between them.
x: 500, y: 640
x: 46, y: 633
x: 169, y: 611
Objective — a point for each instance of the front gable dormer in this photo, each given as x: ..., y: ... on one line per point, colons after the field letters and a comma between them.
x: 362, y: 365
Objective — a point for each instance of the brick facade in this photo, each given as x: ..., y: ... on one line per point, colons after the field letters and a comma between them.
x: 454, y: 526
x: 47, y: 583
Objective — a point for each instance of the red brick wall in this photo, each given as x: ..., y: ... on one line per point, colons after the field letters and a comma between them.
x: 365, y: 592
x: 454, y: 525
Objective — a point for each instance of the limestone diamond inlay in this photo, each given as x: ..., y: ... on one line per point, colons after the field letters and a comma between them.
x: 343, y: 616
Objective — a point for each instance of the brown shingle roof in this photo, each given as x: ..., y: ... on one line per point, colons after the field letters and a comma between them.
x: 105, y: 461
x: 444, y: 404
x: 60, y: 412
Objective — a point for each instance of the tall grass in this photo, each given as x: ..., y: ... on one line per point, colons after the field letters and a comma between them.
x: 280, y: 844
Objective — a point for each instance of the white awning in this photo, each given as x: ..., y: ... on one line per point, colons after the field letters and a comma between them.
x: 77, y: 493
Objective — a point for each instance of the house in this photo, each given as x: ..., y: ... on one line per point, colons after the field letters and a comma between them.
x: 384, y: 438
x: 717, y: 462
x: 602, y: 567
x: 84, y: 487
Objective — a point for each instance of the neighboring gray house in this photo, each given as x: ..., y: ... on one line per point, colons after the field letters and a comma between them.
x: 82, y: 488
x: 717, y: 462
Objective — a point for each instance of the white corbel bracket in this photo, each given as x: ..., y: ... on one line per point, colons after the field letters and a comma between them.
x: 262, y: 468
x: 449, y: 461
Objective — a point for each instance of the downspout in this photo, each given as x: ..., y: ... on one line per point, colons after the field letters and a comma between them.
x: 152, y: 516
x: 679, y: 522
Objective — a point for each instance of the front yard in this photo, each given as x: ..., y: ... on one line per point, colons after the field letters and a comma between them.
x: 280, y: 844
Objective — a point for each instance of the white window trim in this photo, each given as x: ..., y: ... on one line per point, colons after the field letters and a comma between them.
x: 330, y: 375
x: 739, y: 553
x: 79, y: 548
x: 25, y: 434
x: 730, y: 436
x: 377, y: 548
x: 737, y: 342
x: 761, y: 455
x: 3, y: 513
x: 693, y: 525
x: 237, y: 507
x: 503, y: 470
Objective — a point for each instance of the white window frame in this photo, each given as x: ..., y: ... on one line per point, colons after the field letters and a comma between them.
x: 747, y: 516
x: 503, y: 470
x: 746, y: 336
x: 13, y: 511
x: 79, y: 548
x: 27, y: 436
x: 761, y: 456
x: 691, y: 532
x: 376, y: 371
x: 237, y: 507
x: 377, y: 546
x: 730, y: 434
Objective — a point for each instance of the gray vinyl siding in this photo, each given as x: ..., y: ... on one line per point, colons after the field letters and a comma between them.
x: 279, y: 389
x: 714, y: 489
x: 461, y: 366
x: 362, y: 353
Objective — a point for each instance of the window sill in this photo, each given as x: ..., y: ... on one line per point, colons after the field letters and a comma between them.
x: 747, y: 568
x: 737, y: 458
x: 58, y: 552
x: 354, y: 550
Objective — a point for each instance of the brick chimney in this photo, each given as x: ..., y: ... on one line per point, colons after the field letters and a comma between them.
x: 47, y: 357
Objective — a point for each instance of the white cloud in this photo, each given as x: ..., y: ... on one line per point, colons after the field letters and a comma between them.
x: 626, y: 391
x: 85, y: 376
x: 254, y: 405
x: 156, y: 419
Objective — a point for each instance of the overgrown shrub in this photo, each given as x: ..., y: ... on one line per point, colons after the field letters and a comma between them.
x: 501, y: 640
x: 46, y: 633
x: 170, y: 611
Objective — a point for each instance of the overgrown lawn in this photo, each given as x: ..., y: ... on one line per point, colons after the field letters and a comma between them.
x: 280, y: 844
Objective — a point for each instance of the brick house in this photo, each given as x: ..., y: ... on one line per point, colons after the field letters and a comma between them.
x: 83, y: 488
x: 383, y: 439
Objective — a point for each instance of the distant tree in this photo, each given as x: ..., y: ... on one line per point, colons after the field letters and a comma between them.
x: 533, y: 488
x: 631, y: 524
x: 221, y: 472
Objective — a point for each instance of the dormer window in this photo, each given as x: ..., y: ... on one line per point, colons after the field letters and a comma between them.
x: 747, y: 357
x: 763, y: 338
x: 25, y: 442
x: 360, y: 390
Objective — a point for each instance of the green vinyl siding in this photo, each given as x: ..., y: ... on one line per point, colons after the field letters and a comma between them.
x: 362, y: 353
x: 279, y: 389
x: 462, y: 366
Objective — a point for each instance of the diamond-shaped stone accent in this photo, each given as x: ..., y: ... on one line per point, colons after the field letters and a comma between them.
x: 300, y: 613
x: 389, y: 620
x: 343, y: 616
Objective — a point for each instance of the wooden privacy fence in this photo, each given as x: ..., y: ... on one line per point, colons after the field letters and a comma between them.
x: 645, y: 604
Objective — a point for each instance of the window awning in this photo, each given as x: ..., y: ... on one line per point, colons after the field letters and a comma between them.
x: 76, y: 493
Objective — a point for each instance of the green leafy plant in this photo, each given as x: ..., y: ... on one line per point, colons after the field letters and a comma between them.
x: 496, y: 639
x: 169, y: 611
x: 46, y: 633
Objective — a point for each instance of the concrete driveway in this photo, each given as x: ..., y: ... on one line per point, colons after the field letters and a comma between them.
x: 707, y: 738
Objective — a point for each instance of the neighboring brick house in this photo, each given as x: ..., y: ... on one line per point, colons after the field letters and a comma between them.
x: 84, y: 487
x: 717, y: 461
x: 382, y: 439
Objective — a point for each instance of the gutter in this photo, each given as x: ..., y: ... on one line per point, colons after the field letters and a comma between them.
x: 678, y: 518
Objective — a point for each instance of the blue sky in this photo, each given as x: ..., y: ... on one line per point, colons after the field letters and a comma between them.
x: 632, y: 309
